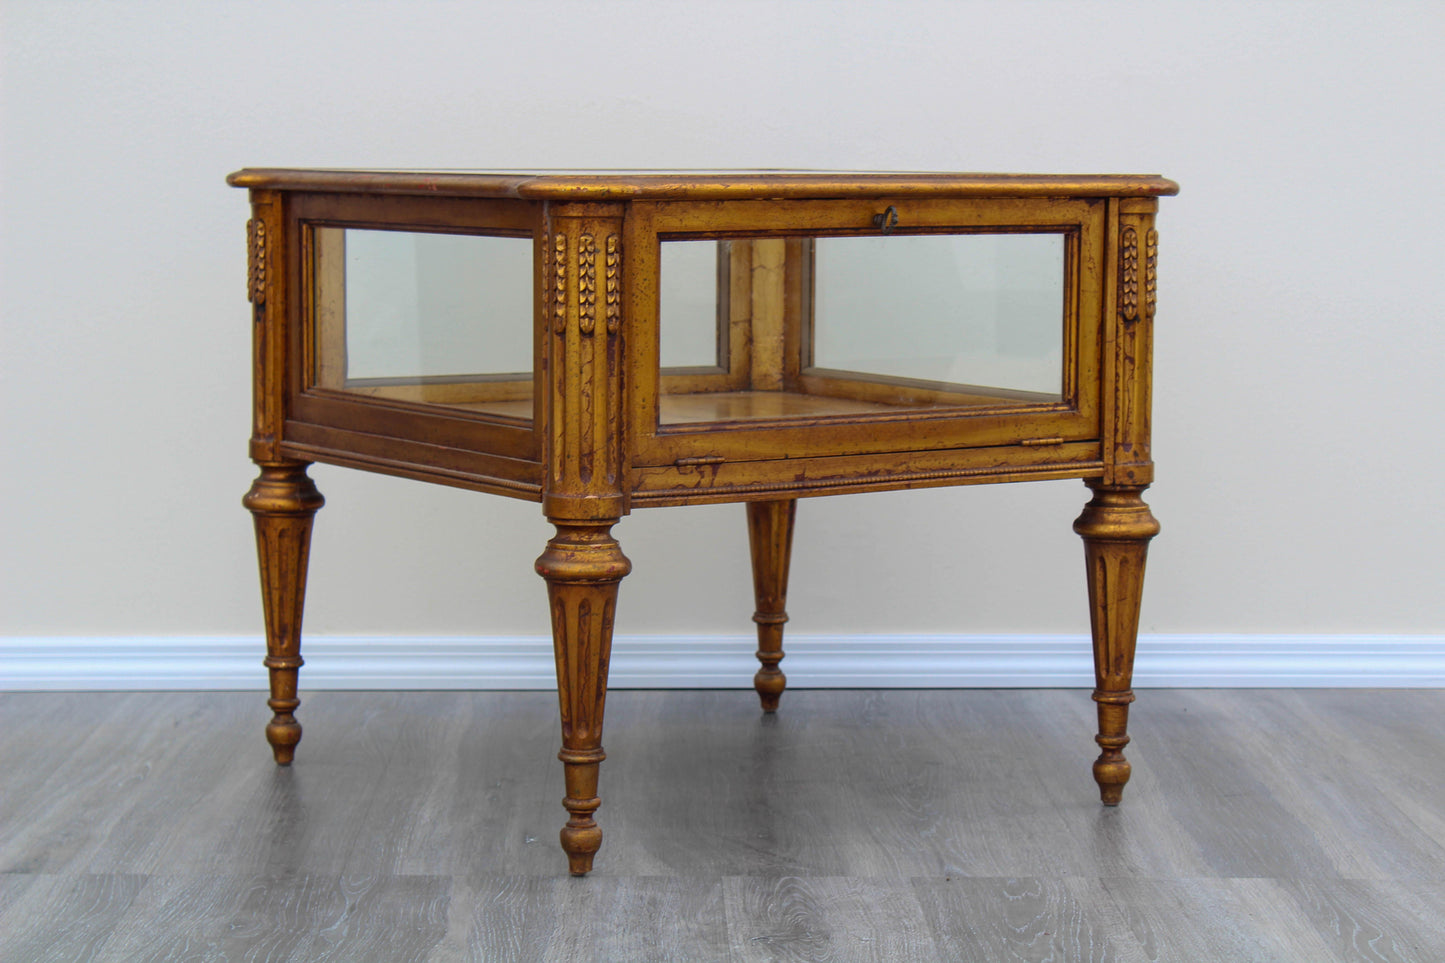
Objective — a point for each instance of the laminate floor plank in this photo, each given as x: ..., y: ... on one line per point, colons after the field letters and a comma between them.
x: 1039, y: 767
x: 1387, y: 745
x: 1380, y: 922
x: 102, y: 759
x: 1358, y: 830
x: 12, y: 886
x: 88, y: 749
x: 183, y: 745
x: 1029, y: 919
x: 1223, y: 775
x: 1212, y: 919
x: 41, y: 731
x: 452, y: 790
x: 826, y: 920
x: 290, y: 918
x: 721, y: 757
x: 65, y: 918
x: 942, y: 790
x: 532, y: 919
x: 311, y: 817
x: 837, y: 786
x: 784, y: 795
x: 1140, y: 837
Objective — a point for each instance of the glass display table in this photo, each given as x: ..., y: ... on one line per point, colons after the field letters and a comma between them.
x: 599, y: 342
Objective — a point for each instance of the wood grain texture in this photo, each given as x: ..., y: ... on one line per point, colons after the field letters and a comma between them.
x: 1368, y: 920
x: 348, y: 918
x: 826, y: 920
x: 66, y: 919
x: 550, y: 920
x: 749, y: 405
x: 1212, y: 919
x: 94, y: 804
x: 990, y: 920
x: 900, y: 825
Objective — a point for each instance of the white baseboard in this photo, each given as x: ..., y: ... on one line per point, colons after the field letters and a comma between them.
x: 871, y: 661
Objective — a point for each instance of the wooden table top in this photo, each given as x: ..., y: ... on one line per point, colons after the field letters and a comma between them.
x: 701, y: 184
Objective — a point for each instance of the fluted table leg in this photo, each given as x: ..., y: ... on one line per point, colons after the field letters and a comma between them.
x: 1116, y: 527
x: 770, y: 536
x: 283, y: 501
x: 583, y: 565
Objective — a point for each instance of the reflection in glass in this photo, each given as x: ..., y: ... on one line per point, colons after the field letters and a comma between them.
x: 980, y: 310
x: 437, y: 318
x: 688, y: 291
x: 437, y: 304
x: 870, y: 324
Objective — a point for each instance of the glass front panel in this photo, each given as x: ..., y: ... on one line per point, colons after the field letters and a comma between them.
x: 859, y: 325
x: 688, y: 291
x: 964, y: 311
x: 436, y: 318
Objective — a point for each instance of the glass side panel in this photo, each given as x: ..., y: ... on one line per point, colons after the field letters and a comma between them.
x: 436, y: 318
x: 688, y: 291
x: 969, y: 310
x: 851, y: 326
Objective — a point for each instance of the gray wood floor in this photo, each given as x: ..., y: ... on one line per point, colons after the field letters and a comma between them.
x: 1297, y: 825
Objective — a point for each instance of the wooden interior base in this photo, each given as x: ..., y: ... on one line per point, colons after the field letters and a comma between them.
x: 715, y: 406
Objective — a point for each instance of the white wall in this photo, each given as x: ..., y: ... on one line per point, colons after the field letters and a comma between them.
x: 1300, y: 407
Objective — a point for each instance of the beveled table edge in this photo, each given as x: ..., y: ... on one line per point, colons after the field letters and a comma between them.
x: 702, y: 185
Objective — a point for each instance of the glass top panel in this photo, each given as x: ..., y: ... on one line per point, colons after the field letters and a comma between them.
x: 436, y: 318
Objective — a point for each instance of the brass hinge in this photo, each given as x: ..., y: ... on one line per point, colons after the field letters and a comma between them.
x: 1036, y: 442
x: 700, y: 460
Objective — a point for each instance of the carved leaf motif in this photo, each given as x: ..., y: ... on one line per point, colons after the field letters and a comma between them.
x: 559, y: 289
x: 256, y: 257
x: 1151, y: 270
x: 586, y: 283
x: 614, y: 289
x: 1129, y: 275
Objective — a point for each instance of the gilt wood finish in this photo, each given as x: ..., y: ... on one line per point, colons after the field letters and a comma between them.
x: 606, y: 429
x: 283, y: 502
x: 770, y: 538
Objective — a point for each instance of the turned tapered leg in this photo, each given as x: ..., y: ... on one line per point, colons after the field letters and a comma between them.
x: 283, y: 501
x: 582, y: 565
x: 1116, y: 526
x: 770, y: 536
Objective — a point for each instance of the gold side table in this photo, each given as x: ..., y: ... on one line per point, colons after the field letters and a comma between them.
x: 599, y: 342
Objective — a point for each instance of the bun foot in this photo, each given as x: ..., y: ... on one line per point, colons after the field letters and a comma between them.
x: 283, y: 735
x: 770, y: 686
x: 1111, y: 772
x: 580, y: 843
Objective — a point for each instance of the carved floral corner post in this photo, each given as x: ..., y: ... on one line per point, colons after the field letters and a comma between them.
x: 581, y: 368
x: 1116, y: 524
x: 282, y: 500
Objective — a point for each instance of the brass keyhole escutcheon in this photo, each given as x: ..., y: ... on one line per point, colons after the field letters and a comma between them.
x: 886, y: 221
